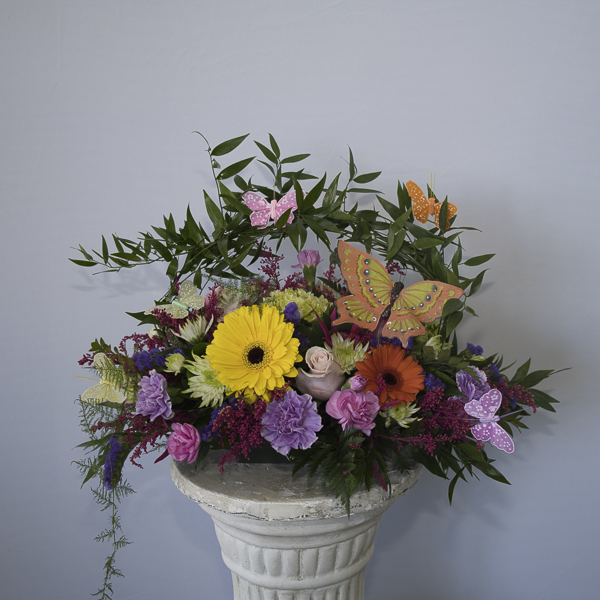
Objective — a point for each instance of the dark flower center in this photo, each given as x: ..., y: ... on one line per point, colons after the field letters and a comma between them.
x: 390, y: 379
x: 256, y: 355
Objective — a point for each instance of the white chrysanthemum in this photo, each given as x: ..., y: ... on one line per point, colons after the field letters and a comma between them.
x: 174, y: 363
x: 193, y: 331
x: 204, y: 383
x: 345, y: 353
x: 401, y: 414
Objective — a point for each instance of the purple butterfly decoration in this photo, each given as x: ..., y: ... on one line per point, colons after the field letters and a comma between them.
x: 485, y: 410
x: 263, y: 211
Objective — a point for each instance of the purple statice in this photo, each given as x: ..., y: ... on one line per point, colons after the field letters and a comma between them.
x: 153, y: 400
x: 147, y: 360
x: 393, y: 341
x: 472, y: 387
x: 431, y: 382
x: 474, y: 350
x: 207, y: 432
x: 111, y: 460
x: 291, y: 422
x: 291, y: 313
x: 494, y: 372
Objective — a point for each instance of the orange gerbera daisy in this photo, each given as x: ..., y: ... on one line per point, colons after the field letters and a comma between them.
x: 391, y: 374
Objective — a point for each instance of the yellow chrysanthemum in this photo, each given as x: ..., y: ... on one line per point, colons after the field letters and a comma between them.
x: 254, y: 350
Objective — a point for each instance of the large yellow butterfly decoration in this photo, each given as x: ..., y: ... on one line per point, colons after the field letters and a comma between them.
x: 376, y: 300
x: 423, y: 207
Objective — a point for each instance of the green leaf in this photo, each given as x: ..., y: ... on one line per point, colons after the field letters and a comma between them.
x: 84, y: 263
x: 367, y: 177
x: 267, y: 152
x: 452, y: 322
x: 235, y: 168
x: 274, y: 146
x: 309, y: 200
x: 228, y: 146
x: 451, y: 306
x: 214, y: 214
x: 491, y: 472
x: 536, y: 377
x: 295, y: 158
x: 398, y: 241
x: 104, y: 250
x: 472, y: 452
x: 543, y: 400
x: 363, y: 191
x: 476, y: 283
x: 393, y: 211
x: 521, y: 372
x: 283, y: 219
x: 478, y: 260
x: 331, y: 193
x: 427, y: 242
x: 351, y: 165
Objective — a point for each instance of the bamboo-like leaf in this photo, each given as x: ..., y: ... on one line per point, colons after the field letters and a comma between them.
x: 228, y: 146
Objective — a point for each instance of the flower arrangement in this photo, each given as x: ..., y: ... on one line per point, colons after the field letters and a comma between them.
x: 343, y: 371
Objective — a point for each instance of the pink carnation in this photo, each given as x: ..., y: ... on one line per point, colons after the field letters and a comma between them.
x: 354, y: 409
x: 184, y: 442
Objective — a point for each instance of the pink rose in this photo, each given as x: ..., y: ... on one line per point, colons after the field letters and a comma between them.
x: 183, y: 443
x: 354, y: 409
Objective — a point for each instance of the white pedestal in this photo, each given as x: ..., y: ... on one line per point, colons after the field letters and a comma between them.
x: 283, y: 540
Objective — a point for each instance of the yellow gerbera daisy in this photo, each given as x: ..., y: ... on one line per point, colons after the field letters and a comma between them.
x: 253, y: 349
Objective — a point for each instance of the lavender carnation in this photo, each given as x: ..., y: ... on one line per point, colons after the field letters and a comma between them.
x: 153, y: 400
x: 291, y: 422
x: 472, y: 387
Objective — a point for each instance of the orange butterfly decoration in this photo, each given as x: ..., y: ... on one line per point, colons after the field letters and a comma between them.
x: 423, y: 207
x: 377, y: 303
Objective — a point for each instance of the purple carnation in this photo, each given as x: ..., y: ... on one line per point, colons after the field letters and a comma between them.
x: 153, y: 400
x: 291, y: 422
x: 472, y: 387
x: 307, y: 258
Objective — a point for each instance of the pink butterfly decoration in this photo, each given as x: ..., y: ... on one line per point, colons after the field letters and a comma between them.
x: 263, y: 211
x: 485, y: 410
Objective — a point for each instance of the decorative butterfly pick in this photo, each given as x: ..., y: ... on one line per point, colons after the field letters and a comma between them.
x: 485, y: 410
x: 185, y: 300
x: 423, y: 207
x: 104, y: 390
x: 376, y: 301
x: 263, y: 211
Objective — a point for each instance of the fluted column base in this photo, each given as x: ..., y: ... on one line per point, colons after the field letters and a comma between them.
x: 283, y: 540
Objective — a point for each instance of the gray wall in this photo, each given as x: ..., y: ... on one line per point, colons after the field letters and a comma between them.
x: 500, y: 99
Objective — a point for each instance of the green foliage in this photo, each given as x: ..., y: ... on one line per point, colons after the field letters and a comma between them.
x: 108, y: 500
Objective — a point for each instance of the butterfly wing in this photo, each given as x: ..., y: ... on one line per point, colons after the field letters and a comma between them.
x: 452, y: 210
x: 177, y: 312
x: 187, y: 295
x: 416, y: 305
x: 420, y: 204
x: 288, y: 201
x: 103, y: 392
x: 369, y: 284
x: 490, y: 402
x: 482, y: 431
x: 501, y: 439
x: 260, y: 209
